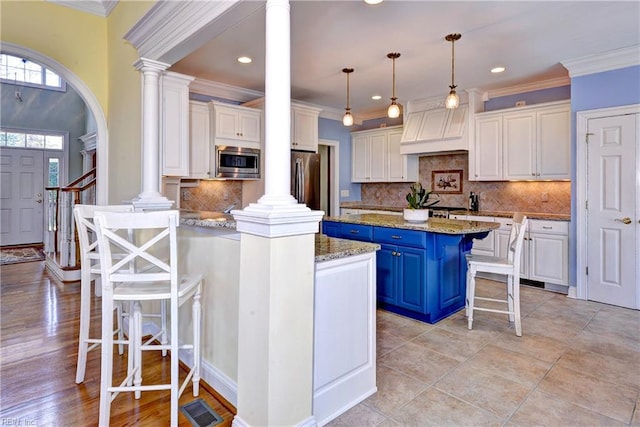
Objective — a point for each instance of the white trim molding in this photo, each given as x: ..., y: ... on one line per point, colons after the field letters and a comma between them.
x: 528, y: 87
x: 95, y: 7
x: 170, y: 30
x: 607, y: 61
x: 224, y: 91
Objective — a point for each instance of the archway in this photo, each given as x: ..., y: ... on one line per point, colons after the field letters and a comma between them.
x: 102, y: 135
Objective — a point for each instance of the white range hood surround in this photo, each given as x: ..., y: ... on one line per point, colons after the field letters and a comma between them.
x: 431, y: 129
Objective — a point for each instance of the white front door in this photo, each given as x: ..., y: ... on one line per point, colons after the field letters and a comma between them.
x: 21, y: 196
x: 612, y: 216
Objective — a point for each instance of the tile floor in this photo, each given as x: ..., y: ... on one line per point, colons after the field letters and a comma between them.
x: 577, y: 364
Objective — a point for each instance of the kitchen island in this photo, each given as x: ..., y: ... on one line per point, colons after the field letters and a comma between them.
x: 344, y: 311
x: 421, y: 267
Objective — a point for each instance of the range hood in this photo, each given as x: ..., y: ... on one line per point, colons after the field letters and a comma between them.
x: 431, y: 129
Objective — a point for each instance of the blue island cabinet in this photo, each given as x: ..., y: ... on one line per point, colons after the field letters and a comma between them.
x: 419, y: 274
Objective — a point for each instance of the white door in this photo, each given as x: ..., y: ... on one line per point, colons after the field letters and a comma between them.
x: 21, y: 196
x: 612, y: 219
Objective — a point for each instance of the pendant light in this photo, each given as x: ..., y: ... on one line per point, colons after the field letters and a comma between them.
x: 452, y: 100
x: 394, y: 109
x: 347, y: 119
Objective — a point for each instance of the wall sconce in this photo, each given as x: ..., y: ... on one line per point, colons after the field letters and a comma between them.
x: 452, y: 101
x: 347, y: 119
x: 394, y: 109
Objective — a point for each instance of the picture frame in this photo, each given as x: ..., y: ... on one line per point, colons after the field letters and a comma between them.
x: 446, y: 181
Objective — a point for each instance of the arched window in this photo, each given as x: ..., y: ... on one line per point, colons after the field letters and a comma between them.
x: 22, y: 71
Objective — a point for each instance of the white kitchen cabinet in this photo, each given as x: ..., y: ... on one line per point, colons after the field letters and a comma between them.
x: 304, y: 128
x: 199, y: 140
x: 174, y: 123
x: 235, y: 125
x: 545, y: 250
x: 549, y: 251
x: 527, y: 143
x: 375, y: 157
x: 487, y: 154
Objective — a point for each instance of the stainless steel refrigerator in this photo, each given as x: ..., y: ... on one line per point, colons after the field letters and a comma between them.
x: 305, y: 178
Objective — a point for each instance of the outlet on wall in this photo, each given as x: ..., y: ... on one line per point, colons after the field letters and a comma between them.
x: 344, y: 193
x: 186, y: 195
x: 544, y: 197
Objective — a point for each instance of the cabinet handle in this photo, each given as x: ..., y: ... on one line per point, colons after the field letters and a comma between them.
x: 354, y: 231
x: 393, y: 253
x: 546, y: 227
x: 509, y: 224
x: 398, y: 253
x: 396, y: 237
x: 533, y: 174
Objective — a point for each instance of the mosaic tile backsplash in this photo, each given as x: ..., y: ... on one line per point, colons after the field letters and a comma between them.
x: 523, y: 196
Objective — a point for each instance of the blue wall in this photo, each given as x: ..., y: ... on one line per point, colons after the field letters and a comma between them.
x: 334, y: 130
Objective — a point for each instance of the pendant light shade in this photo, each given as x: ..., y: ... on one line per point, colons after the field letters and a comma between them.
x: 394, y: 109
x: 347, y: 119
x: 452, y: 101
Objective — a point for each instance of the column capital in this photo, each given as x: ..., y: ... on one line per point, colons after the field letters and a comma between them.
x: 144, y: 64
x: 267, y: 220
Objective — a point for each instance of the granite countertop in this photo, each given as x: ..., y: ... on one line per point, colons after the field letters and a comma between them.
x: 327, y: 248
x: 207, y: 219
x: 506, y: 214
x: 503, y: 214
x: 433, y: 225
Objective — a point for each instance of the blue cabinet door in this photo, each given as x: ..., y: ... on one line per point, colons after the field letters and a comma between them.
x: 411, y: 277
x: 386, y: 266
x: 331, y: 229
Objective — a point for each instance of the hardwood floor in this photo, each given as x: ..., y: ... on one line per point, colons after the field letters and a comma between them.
x: 38, y: 349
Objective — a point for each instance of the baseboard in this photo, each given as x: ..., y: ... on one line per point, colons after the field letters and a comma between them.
x: 64, y: 275
x: 239, y: 422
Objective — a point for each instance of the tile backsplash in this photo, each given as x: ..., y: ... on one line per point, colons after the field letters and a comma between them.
x: 524, y: 196
x: 212, y: 196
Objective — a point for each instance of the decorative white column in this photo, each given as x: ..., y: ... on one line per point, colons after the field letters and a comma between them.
x: 277, y: 265
x: 150, y: 198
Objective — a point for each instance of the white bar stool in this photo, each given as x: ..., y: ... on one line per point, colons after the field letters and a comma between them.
x: 509, y: 266
x: 90, y: 270
x: 151, y: 279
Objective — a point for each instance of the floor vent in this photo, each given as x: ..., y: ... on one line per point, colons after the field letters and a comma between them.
x: 200, y: 414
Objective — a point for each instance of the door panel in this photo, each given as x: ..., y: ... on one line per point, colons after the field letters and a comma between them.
x: 21, y: 196
x: 612, y: 225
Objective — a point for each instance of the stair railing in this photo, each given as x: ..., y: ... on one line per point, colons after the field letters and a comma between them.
x: 61, y: 240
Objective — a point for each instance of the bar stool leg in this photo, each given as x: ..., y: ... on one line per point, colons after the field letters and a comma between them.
x: 471, y: 294
x: 85, y: 318
x: 197, y: 331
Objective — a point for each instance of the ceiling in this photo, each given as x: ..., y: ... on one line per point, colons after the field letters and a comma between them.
x: 530, y: 39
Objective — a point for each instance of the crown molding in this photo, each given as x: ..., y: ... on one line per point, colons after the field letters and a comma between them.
x: 528, y: 87
x: 95, y: 7
x: 171, y: 30
x: 223, y: 91
x: 607, y: 61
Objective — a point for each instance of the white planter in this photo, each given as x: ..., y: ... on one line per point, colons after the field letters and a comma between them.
x: 416, y: 215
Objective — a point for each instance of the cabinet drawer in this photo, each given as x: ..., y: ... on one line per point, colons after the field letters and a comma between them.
x: 552, y: 227
x: 505, y: 223
x: 356, y: 232
x: 395, y: 236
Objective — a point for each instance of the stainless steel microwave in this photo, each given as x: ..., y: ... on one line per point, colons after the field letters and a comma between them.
x: 237, y: 162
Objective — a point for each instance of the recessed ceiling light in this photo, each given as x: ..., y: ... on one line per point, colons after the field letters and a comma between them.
x: 497, y: 70
x: 373, y: 1
x: 376, y: 97
x: 244, y: 60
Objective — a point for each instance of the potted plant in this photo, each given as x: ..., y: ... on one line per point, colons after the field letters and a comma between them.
x: 418, y: 203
